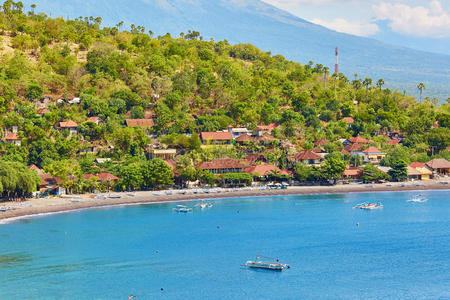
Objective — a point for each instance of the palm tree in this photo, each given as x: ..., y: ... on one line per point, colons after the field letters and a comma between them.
x: 380, y: 83
x: 325, y: 71
x: 421, y: 87
x: 367, y: 82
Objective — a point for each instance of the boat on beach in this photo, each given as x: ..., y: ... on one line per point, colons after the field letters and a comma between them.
x: 369, y: 205
x: 259, y: 264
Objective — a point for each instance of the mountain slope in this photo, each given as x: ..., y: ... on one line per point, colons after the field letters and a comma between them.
x: 252, y: 21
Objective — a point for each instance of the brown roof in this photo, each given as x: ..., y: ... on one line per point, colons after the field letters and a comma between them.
x: 107, y: 176
x: 352, y: 172
x: 139, y: 122
x: 359, y: 139
x: 68, y: 124
x: 348, y: 120
x: 12, y: 137
x: 321, y: 142
x: 262, y: 169
x: 438, y: 163
x: 269, y: 127
x: 42, y: 111
x: 345, y: 152
x: 306, y: 155
x: 318, y: 150
x: 354, y: 147
x: 47, y: 179
x: 393, y: 142
x: 223, y: 163
x: 217, y: 136
x: 412, y: 171
x: 149, y: 115
x: 88, y: 176
x: 34, y: 167
x: 93, y: 119
x: 371, y: 150
x: 245, y: 138
x: 253, y: 157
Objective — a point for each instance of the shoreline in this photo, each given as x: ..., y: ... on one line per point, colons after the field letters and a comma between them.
x: 50, y: 206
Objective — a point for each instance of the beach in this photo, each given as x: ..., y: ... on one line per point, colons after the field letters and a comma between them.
x: 70, y: 203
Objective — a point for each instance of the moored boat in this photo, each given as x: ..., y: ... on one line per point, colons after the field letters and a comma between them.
x: 418, y: 198
x: 369, y: 205
x: 259, y: 264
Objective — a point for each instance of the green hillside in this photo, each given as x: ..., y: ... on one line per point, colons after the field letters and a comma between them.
x: 55, y: 71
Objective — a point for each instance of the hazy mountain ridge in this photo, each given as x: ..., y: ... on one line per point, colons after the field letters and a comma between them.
x: 252, y: 21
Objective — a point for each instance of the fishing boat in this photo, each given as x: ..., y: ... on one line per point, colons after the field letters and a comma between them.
x: 259, y: 264
x: 418, y: 198
x: 369, y: 205
x: 205, y: 204
x: 182, y: 209
x: 114, y: 196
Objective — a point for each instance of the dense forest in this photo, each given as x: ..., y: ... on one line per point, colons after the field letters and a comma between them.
x: 54, y: 70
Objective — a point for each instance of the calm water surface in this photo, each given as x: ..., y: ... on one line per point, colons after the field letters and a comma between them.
x: 399, y: 252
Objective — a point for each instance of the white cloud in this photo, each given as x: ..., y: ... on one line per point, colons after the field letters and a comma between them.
x: 431, y: 21
x: 352, y: 27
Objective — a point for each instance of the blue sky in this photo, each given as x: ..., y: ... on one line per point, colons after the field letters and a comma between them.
x: 420, y: 24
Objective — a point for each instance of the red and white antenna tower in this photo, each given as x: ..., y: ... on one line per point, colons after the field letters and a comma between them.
x: 336, y: 66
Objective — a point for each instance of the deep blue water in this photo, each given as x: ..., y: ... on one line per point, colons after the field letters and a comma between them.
x: 399, y: 252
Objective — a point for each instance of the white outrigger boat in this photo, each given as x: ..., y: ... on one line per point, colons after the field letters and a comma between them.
x: 418, y: 198
x: 369, y: 205
x: 259, y: 264
x: 182, y: 209
x: 204, y: 204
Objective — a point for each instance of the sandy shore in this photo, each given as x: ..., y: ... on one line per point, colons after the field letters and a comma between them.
x: 73, y: 203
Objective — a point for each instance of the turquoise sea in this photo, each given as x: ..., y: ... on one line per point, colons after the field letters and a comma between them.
x: 399, y: 252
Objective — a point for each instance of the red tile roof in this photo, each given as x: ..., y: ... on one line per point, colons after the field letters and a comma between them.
x: 34, y: 167
x: 107, y: 176
x: 352, y: 172
x: 139, y: 122
x: 321, y: 142
x: 359, y: 139
x: 47, y: 179
x: 262, y: 169
x: 12, y: 137
x: 217, y: 136
x: 245, y: 138
x: 318, y: 150
x: 68, y: 124
x: 348, y: 120
x: 223, y: 163
x: 353, y: 147
x: 269, y: 127
x: 93, y: 119
x: 393, y: 142
x: 307, y: 155
x: 371, y: 150
x: 42, y: 111
x: 417, y: 164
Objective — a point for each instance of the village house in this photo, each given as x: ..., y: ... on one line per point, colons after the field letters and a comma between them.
x: 321, y: 143
x: 354, y: 149
x: 439, y: 166
x: 413, y: 173
x: 13, y: 138
x: 237, y: 132
x: 224, y: 165
x: 320, y: 151
x: 263, y: 129
x: 352, y: 174
x: 425, y: 172
x: 164, y: 154
x: 94, y: 119
x: 42, y: 111
x: 69, y: 125
x: 349, y: 121
x: 373, y: 155
x: 216, y: 138
x: 307, y: 157
x: 360, y: 140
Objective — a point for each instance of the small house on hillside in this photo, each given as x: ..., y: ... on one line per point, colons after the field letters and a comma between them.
x: 13, y: 138
x: 360, y: 140
x: 163, y: 154
x: 373, y: 155
x: 69, y: 125
x: 94, y: 119
x: 224, y: 165
x: 262, y: 129
x: 237, y: 132
x: 307, y: 157
x: 216, y: 138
